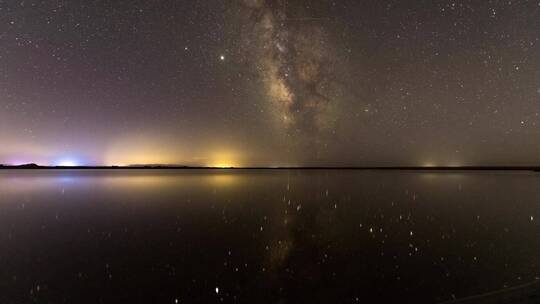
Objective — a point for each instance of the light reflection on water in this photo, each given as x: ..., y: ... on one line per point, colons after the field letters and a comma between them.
x: 264, y: 236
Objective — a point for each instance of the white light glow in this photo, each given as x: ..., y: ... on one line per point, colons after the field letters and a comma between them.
x: 67, y: 163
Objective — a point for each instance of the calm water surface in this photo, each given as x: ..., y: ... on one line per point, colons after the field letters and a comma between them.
x: 195, y: 236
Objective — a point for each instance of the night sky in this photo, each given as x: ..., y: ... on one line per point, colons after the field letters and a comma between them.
x: 270, y: 83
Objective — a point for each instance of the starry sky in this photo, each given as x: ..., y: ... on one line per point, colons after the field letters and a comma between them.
x: 270, y: 82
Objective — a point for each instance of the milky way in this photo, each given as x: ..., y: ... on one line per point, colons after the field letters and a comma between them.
x: 294, y: 58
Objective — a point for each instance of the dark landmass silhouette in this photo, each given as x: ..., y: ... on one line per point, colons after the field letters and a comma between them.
x: 25, y: 166
x: 178, y: 167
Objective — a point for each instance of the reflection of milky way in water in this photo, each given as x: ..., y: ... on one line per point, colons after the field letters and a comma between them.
x: 299, y: 236
x: 294, y: 59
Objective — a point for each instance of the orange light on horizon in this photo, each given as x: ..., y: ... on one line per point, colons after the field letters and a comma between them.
x: 223, y: 165
x: 223, y: 159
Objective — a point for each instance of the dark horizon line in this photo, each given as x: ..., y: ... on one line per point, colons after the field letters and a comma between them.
x: 177, y: 167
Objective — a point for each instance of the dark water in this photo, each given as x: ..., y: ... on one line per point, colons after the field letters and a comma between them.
x: 265, y: 236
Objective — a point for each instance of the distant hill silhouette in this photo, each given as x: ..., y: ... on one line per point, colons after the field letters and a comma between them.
x: 24, y: 166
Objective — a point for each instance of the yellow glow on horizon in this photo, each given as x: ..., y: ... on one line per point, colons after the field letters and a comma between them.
x: 429, y: 164
x: 223, y: 165
x: 223, y: 159
x: 445, y: 164
x: 156, y: 149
